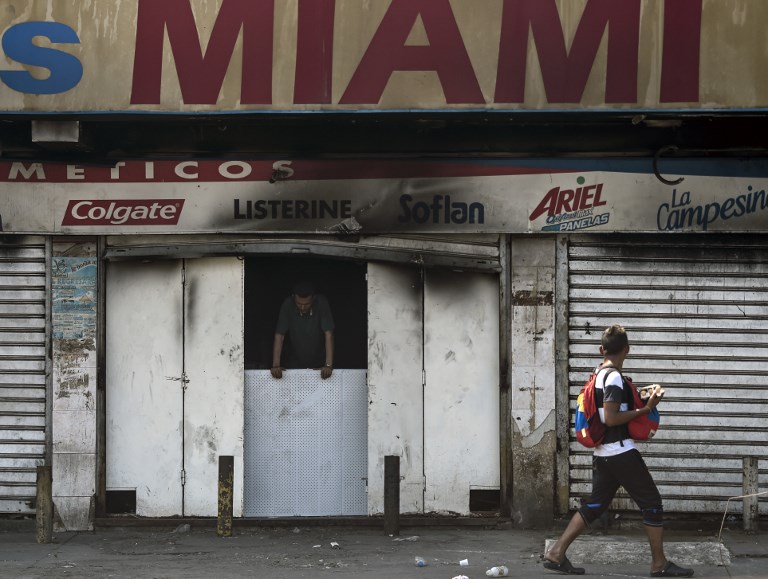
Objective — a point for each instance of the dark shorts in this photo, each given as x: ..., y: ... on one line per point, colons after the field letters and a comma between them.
x: 629, y: 471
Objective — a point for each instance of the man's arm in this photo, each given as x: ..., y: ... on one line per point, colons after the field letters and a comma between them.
x: 277, y: 352
x: 327, y: 370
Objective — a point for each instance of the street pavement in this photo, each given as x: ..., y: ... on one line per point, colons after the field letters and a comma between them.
x: 331, y: 552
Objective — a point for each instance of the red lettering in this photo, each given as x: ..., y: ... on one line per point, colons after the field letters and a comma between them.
x: 565, y: 70
x: 201, y: 76
x: 680, y: 59
x: 314, y: 52
x: 577, y: 198
x: 564, y: 201
x: 565, y: 73
x: 598, y: 202
x: 388, y: 52
x: 547, y: 204
x: 586, y: 197
x: 558, y: 200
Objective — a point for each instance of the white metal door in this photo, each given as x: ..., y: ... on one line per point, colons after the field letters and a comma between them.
x: 144, y: 386
x: 213, y: 363
x: 695, y: 311
x: 22, y: 370
x: 395, y: 388
x: 174, y: 382
x: 461, y: 400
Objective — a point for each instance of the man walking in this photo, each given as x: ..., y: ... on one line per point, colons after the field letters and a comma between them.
x: 617, y: 462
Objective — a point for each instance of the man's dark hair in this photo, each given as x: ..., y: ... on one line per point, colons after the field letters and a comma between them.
x: 304, y: 289
x: 614, y: 339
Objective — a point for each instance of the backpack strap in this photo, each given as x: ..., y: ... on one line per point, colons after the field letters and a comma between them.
x: 599, y: 392
x: 610, y: 369
x: 624, y: 383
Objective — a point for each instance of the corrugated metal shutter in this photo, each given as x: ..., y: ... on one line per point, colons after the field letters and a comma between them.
x: 696, y: 310
x: 22, y: 370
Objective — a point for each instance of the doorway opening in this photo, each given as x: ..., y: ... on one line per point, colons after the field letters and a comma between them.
x: 269, y: 280
x: 305, y: 438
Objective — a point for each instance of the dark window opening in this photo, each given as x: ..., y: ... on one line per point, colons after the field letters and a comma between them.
x: 121, y: 502
x: 484, y: 500
x: 269, y: 280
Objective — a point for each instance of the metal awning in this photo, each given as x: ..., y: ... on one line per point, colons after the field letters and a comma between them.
x: 470, y: 252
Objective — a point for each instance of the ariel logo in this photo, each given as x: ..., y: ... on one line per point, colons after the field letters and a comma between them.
x: 558, y: 201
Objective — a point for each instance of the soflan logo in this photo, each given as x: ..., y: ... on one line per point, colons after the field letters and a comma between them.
x: 572, y: 209
x: 442, y: 210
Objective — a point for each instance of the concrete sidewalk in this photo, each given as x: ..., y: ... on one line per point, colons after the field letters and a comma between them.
x: 283, y: 553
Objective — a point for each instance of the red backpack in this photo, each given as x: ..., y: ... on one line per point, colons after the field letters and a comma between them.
x: 590, y: 430
x: 643, y: 427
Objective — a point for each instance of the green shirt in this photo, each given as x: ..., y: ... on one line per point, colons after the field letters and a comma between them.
x: 304, y: 345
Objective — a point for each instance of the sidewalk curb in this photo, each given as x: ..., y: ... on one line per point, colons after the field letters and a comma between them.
x: 636, y: 551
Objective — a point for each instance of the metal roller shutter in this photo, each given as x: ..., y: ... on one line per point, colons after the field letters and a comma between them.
x: 22, y: 370
x: 696, y: 310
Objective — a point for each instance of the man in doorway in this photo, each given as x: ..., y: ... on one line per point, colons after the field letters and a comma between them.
x: 305, y: 318
x: 617, y: 462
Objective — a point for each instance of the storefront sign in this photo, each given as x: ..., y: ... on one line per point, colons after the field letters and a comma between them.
x: 384, y: 196
x: 249, y: 55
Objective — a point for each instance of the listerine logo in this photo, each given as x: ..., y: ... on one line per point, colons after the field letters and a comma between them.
x: 572, y: 209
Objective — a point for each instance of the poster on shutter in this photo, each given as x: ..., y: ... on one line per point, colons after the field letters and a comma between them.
x: 74, y: 298
x: 73, y: 283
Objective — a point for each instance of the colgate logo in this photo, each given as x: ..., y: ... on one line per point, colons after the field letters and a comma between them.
x: 123, y: 212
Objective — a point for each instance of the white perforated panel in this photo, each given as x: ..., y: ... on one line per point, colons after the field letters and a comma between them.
x: 305, y: 444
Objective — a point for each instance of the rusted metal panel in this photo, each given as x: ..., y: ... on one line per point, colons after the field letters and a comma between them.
x: 23, y: 314
x: 695, y: 311
x: 461, y: 394
x: 395, y: 364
